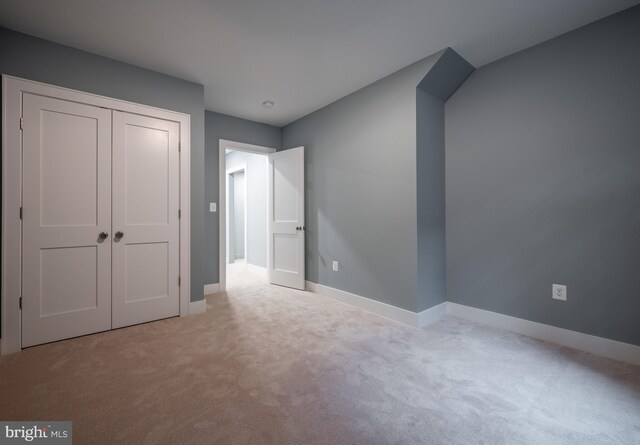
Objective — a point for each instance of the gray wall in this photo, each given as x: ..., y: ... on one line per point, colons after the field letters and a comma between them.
x: 36, y: 59
x: 360, y: 161
x: 220, y: 126
x: 543, y: 182
x: 256, y: 173
x: 375, y: 185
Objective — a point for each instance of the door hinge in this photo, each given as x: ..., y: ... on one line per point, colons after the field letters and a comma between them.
x: 20, y: 304
x: 20, y: 212
x: 21, y: 123
x: 179, y: 147
x: 179, y: 281
x: 179, y: 213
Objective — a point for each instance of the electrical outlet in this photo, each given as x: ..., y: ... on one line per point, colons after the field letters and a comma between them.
x: 212, y: 207
x: 335, y: 266
x: 559, y: 292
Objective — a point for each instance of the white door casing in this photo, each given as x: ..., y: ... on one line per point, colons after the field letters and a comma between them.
x: 286, y: 218
x: 145, y: 211
x: 66, y: 280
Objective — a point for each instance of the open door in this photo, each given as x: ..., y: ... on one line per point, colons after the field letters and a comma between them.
x: 286, y: 218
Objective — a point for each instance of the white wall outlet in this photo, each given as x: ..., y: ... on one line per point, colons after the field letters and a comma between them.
x: 212, y: 207
x: 559, y: 292
x: 335, y: 266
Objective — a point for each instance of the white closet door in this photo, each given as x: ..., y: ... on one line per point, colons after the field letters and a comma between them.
x: 66, y: 285
x: 286, y: 218
x: 145, y: 219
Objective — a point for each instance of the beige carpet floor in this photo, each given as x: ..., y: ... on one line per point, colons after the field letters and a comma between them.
x: 269, y: 365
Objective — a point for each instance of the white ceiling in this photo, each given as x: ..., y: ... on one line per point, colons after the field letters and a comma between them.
x: 302, y: 54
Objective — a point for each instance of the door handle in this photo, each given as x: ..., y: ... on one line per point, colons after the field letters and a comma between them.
x: 103, y: 235
x: 119, y: 235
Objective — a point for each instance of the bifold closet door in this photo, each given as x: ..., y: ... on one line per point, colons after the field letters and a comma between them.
x: 66, y: 221
x: 145, y: 206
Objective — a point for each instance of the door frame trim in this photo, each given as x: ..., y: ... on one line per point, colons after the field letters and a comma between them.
x: 10, y: 273
x: 223, y: 144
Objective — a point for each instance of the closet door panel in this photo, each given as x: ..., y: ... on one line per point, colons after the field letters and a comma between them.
x: 145, y: 214
x: 66, y: 286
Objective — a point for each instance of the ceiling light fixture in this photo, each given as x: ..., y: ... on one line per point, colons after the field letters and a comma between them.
x: 267, y: 104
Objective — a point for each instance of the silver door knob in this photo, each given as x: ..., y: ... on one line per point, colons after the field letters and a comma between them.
x: 119, y: 235
x: 103, y: 235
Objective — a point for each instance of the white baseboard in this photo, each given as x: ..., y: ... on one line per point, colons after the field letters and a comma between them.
x: 432, y: 315
x: 414, y: 319
x: 257, y: 270
x: 213, y: 288
x: 590, y: 343
x: 197, y: 307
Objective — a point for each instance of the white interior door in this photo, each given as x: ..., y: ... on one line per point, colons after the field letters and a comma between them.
x: 286, y: 218
x: 145, y: 219
x: 66, y: 279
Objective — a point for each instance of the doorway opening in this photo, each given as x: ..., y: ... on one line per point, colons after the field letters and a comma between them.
x: 244, y: 208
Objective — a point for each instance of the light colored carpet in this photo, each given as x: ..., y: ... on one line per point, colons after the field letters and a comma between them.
x: 271, y: 365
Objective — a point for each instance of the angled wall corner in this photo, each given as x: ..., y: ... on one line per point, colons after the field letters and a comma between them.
x: 447, y: 74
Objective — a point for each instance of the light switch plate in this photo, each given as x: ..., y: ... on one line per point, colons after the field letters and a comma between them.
x: 212, y: 207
